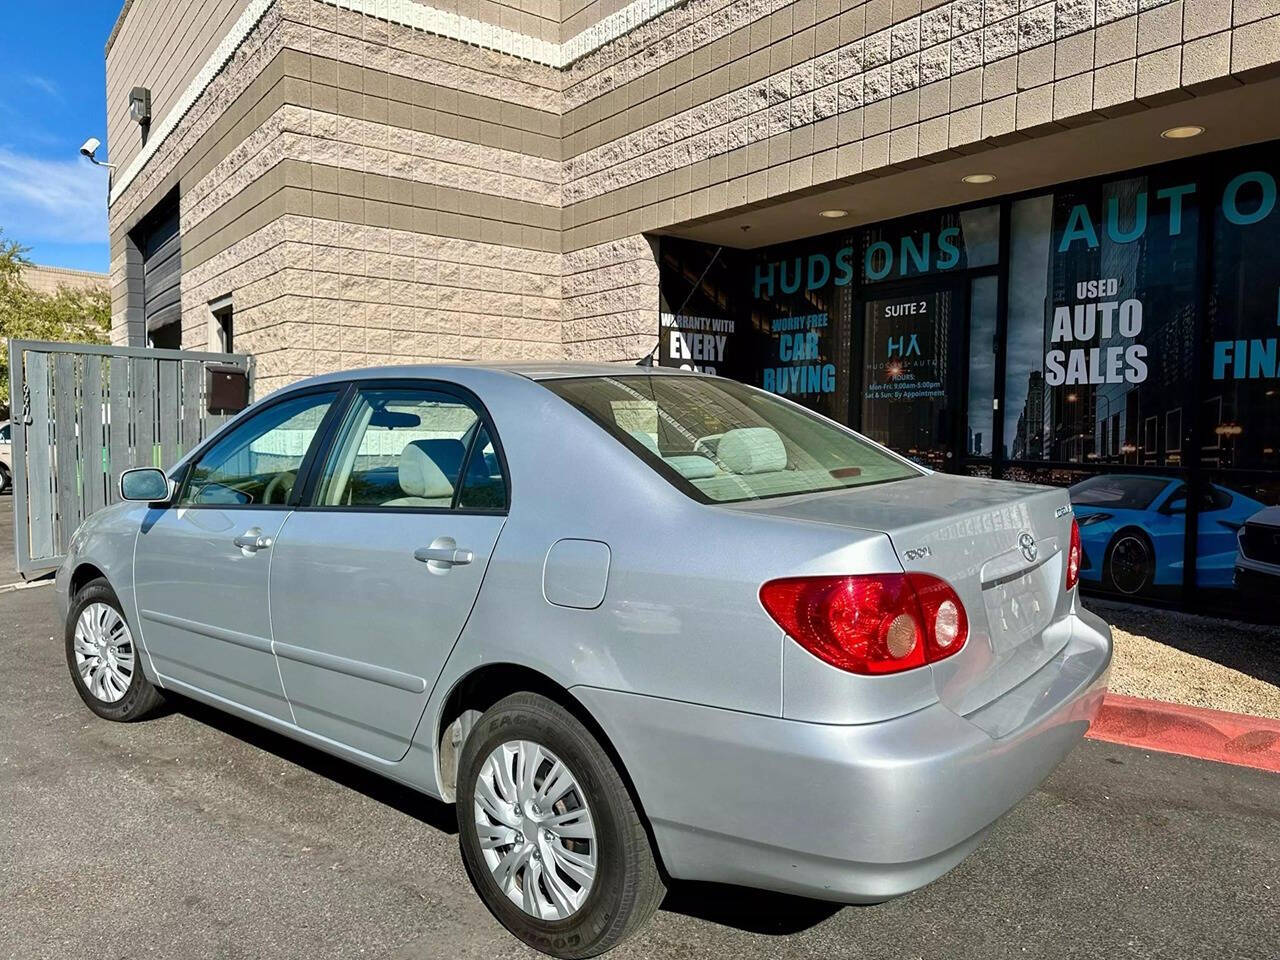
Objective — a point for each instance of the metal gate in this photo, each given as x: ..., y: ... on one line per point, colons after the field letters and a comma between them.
x: 82, y: 414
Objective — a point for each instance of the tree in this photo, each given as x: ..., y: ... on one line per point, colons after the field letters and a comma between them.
x: 70, y: 316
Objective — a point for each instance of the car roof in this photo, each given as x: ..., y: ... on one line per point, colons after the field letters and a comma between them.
x: 468, y: 371
x: 555, y: 371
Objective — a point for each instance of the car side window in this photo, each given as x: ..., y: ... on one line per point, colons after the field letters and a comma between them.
x: 484, y: 487
x: 401, y: 448
x: 258, y: 462
x: 4, y: 433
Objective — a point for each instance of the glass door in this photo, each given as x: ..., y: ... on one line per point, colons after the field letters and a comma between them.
x: 910, y: 376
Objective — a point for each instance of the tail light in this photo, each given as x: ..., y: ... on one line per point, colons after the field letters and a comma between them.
x: 1074, y: 554
x: 870, y: 624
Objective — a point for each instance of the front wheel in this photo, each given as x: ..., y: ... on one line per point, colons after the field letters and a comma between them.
x: 104, y: 659
x: 1130, y: 565
x: 549, y: 833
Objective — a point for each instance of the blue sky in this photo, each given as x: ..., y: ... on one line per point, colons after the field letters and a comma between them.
x: 52, y: 78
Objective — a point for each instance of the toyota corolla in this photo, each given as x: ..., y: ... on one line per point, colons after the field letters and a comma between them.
x: 638, y: 625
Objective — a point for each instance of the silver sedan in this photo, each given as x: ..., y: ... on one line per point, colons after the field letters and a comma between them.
x: 639, y: 625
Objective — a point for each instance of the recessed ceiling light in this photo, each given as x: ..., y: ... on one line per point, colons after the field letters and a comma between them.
x: 833, y: 214
x: 979, y: 178
x: 1182, y: 133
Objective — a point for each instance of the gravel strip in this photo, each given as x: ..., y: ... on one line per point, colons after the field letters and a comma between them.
x: 1200, y: 661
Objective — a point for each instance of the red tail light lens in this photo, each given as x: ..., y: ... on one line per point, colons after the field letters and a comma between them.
x: 870, y: 624
x: 1074, y: 554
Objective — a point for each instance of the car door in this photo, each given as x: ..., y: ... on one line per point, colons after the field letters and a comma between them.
x: 201, y: 564
x: 374, y: 576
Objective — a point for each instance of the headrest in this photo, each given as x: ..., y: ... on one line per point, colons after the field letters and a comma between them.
x: 447, y: 452
x: 420, y: 475
x: 752, y: 450
x: 691, y: 466
x: 646, y: 439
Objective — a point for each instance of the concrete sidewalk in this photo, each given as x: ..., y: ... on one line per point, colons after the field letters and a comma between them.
x: 1199, y: 661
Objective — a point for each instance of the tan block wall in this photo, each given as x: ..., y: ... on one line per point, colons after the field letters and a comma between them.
x: 315, y: 295
x: 161, y: 45
x: 610, y: 301
x: 422, y: 166
x: 386, y: 196
x: 723, y: 103
x: 52, y: 279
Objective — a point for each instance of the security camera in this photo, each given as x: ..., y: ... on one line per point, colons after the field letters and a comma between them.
x: 90, y: 147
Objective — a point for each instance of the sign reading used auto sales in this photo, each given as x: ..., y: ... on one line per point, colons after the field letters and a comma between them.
x: 1099, y: 316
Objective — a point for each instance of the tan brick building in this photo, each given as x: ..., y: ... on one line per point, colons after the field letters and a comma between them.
x: 384, y: 180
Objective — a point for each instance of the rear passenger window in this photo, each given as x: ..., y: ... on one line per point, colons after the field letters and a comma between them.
x: 401, y: 448
x: 484, y: 487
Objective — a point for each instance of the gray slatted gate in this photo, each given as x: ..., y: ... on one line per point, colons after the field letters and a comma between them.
x: 82, y: 414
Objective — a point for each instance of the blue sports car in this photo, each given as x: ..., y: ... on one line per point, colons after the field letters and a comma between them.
x: 1133, y: 528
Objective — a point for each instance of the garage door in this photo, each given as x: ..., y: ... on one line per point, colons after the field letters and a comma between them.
x: 161, y: 246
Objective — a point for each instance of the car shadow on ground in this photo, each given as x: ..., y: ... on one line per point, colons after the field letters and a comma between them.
x: 753, y: 911
x: 1250, y: 648
x: 403, y: 799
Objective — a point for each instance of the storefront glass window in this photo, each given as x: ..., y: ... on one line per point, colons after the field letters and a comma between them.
x: 1102, y: 312
x: 935, y: 243
x: 982, y: 366
x: 1241, y: 426
x: 800, y: 318
x: 907, y: 368
x: 1137, y: 361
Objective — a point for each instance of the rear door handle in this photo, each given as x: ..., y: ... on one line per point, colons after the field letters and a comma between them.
x: 443, y: 554
x: 252, y: 540
x: 447, y: 555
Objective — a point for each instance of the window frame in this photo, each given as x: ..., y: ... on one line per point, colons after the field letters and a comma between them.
x: 182, y: 475
x: 308, y: 491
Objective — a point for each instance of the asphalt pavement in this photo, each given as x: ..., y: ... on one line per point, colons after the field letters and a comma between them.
x: 197, y: 835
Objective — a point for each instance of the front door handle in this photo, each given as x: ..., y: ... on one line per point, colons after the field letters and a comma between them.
x: 252, y: 540
x: 443, y: 554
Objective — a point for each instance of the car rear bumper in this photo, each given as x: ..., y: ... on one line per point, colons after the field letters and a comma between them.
x: 848, y: 813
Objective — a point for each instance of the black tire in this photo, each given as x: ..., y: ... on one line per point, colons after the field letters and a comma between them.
x: 5, y: 479
x: 1129, y: 565
x: 141, y: 698
x: 627, y: 887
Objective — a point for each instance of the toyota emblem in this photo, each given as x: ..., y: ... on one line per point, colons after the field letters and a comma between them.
x: 1028, y: 544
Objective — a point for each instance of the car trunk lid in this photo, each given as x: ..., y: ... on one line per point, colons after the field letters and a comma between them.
x: 1002, y: 547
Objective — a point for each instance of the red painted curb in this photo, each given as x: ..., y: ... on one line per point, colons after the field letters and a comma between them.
x: 1191, y: 731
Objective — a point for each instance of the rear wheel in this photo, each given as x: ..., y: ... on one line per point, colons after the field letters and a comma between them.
x: 1130, y: 562
x: 549, y: 833
x: 5, y: 479
x: 104, y: 659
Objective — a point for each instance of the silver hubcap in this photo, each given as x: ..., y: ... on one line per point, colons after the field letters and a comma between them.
x: 535, y: 830
x: 104, y: 654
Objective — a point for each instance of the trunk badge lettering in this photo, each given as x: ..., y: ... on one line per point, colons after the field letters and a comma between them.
x: 919, y: 553
x: 1062, y: 511
x: 1029, y: 549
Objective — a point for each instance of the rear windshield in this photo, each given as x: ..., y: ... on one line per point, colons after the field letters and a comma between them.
x: 1118, y: 491
x: 722, y: 442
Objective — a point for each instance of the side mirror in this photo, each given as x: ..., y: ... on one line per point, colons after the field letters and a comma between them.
x: 146, y: 484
